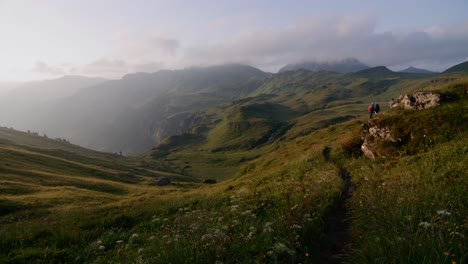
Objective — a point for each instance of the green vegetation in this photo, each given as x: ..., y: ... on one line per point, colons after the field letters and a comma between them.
x: 282, y: 161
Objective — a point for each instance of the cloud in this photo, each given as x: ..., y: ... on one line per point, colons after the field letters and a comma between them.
x: 44, y: 68
x: 116, y: 68
x: 331, y: 38
x: 321, y: 38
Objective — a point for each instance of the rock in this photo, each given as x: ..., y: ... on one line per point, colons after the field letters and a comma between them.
x: 417, y: 101
x: 383, y: 133
x: 365, y: 148
x: 162, y: 181
x: 210, y: 181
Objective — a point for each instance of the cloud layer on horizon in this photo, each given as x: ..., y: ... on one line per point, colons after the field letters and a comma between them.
x: 315, y: 38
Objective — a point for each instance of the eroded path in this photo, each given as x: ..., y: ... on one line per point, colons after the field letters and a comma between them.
x: 337, y: 245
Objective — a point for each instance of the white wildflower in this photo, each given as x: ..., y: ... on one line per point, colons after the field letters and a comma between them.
x: 457, y: 234
x: 134, y: 235
x: 247, y: 212
x: 294, y: 226
x: 424, y: 224
x: 119, y: 242
x: 443, y: 212
x: 280, y: 248
x: 234, y: 208
x: 102, y: 247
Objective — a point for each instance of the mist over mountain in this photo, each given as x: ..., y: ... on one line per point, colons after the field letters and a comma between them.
x: 128, y: 114
x: 341, y: 66
x: 137, y: 112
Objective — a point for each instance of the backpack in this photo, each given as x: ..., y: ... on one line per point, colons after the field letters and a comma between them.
x: 377, y: 108
x: 370, y: 108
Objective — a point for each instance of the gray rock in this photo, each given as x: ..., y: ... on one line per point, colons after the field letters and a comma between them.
x: 162, y: 181
x: 417, y: 101
x: 366, y: 150
x: 383, y: 133
x: 210, y: 181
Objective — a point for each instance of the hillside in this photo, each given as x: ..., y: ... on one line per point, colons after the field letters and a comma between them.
x: 134, y: 114
x: 306, y: 196
x: 462, y: 67
x: 130, y: 115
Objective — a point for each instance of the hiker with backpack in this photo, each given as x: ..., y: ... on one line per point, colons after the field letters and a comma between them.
x: 370, y: 109
x: 377, y: 109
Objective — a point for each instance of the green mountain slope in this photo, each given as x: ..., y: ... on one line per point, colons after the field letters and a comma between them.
x: 279, y: 201
x: 462, y: 67
x: 131, y: 114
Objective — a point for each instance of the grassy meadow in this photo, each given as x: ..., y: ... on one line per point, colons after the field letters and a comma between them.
x: 275, y: 201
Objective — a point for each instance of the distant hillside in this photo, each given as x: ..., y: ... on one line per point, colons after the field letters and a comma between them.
x: 342, y: 66
x: 462, y: 67
x: 131, y: 114
x: 37, y: 92
x: 417, y: 70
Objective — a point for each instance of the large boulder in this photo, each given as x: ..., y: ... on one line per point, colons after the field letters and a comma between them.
x: 417, y: 101
x: 162, y: 181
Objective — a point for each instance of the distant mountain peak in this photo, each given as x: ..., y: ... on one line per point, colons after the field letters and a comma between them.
x: 412, y: 69
x: 341, y: 66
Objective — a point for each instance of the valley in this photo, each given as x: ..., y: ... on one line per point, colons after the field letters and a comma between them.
x: 284, y: 150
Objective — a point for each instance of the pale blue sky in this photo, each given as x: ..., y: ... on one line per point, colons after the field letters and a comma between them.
x: 49, y: 38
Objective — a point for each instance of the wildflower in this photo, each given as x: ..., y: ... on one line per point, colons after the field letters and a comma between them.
x: 248, y: 212
x: 99, y: 242
x: 119, y: 242
x: 457, y: 234
x: 102, y: 247
x: 294, y: 207
x: 425, y: 224
x: 443, y: 212
x: 181, y: 210
x: 134, y: 235
x: 296, y: 226
x: 234, y: 208
x: 280, y: 248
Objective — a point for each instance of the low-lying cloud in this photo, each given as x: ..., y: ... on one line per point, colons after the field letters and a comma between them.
x: 332, y: 38
x: 315, y: 38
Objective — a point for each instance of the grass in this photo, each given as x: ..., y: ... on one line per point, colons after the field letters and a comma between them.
x: 274, y: 200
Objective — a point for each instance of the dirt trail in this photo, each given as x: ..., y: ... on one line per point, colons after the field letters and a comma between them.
x: 337, y: 244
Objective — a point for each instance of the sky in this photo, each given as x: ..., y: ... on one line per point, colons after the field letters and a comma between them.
x: 110, y: 38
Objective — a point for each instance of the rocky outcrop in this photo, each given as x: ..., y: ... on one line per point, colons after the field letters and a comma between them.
x: 162, y: 181
x: 383, y: 133
x: 417, y: 101
x: 372, y: 134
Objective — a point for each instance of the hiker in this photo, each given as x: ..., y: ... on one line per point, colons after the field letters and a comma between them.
x: 370, y: 109
x: 377, y: 109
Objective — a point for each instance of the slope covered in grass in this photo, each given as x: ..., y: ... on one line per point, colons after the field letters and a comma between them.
x: 275, y: 201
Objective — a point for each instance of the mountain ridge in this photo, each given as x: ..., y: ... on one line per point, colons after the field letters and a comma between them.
x: 340, y: 66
